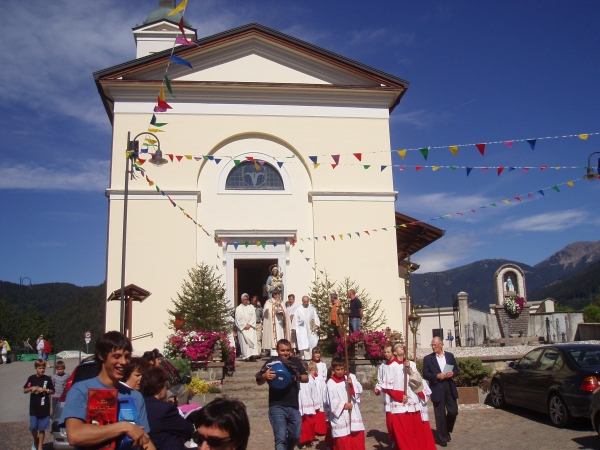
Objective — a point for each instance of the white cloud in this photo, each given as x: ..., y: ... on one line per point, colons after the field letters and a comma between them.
x: 440, y: 203
x: 448, y: 252
x: 93, y: 176
x: 554, y: 221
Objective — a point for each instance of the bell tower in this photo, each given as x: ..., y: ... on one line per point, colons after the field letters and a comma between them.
x: 159, y: 30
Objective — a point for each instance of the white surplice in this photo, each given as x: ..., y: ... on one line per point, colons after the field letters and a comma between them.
x: 395, y: 375
x: 246, y: 315
x: 337, y: 396
x: 306, y: 397
x: 306, y: 323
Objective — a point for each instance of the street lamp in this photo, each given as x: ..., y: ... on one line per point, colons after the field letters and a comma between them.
x: 436, y: 277
x: 131, y: 154
x: 590, y: 175
x: 414, y: 320
x: 21, y: 280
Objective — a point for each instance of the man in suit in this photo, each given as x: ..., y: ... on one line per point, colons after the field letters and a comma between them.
x: 443, y: 389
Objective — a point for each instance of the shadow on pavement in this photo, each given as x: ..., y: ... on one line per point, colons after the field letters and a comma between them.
x: 587, y: 442
x: 382, y: 438
x: 579, y: 423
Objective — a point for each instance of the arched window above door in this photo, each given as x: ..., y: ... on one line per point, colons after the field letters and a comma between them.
x: 252, y: 175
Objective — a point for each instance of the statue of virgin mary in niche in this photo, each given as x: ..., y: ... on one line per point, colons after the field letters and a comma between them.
x: 509, y: 286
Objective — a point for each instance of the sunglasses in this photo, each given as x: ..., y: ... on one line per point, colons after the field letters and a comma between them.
x: 213, y: 442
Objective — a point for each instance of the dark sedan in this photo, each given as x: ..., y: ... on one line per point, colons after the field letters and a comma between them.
x: 557, y: 379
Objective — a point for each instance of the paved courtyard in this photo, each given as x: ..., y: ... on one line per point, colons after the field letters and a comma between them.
x: 477, y: 427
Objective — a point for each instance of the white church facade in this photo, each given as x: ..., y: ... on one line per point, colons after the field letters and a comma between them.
x: 250, y: 179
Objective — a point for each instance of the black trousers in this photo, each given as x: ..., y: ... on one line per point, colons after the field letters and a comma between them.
x: 445, y: 411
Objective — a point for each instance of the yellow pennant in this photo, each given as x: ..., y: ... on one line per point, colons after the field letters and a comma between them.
x: 188, y: 157
x: 161, y: 94
x: 448, y: 215
x: 258, y: 243
x: 256, y: 166
x: 150, y: 141
x: 342, y: 237
x: 570, y: 183
x: 434, y: 168
x: 454, y: 149
x: 506, y: 201
x: 557, y: 167
x: 403, y: 225
x: 155, y: 130
x: 402, y: 153
x: 181, y: 7
x: 316, y: 165
x: 584, y: 136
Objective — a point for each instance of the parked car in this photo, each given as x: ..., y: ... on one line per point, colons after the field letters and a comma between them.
x: 557, y: 379
x: 595, y: 411
x: 89, y: 369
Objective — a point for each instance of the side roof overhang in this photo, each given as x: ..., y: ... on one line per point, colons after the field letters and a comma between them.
x: 385, y: 81
x: 413, y: 235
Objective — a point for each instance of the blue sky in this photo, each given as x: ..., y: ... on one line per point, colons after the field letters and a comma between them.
x: 479, y: 72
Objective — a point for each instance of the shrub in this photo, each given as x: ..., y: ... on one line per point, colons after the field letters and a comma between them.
x: 375, y: 341
x: 182, y: 366
x: 197, y: 387
x: 471, y: 372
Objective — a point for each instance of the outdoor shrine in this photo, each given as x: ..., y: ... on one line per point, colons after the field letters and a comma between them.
x: 511, y: 298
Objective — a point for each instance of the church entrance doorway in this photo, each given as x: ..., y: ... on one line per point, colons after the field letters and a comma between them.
x: 250, y: 276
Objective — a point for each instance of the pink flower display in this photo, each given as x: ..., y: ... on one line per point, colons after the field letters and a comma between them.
x: 375, y: 341
x: 198, y: 346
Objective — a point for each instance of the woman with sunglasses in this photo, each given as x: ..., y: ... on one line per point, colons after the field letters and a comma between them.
x: 168, y: 430
x: 222, y: 425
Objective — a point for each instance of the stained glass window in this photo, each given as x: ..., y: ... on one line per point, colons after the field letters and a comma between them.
x: 246, y: 176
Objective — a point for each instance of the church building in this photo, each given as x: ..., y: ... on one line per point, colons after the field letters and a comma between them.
x: 277, y: 154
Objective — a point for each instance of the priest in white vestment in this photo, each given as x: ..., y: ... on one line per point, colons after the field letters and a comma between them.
x: 306, y: 323
x: 245, y: 322
x: 274, y: 323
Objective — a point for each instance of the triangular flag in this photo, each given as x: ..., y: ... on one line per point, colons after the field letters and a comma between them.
x: 383, y: 168
x: 583, y: 136
x: 263, y: 244
x: 307, y: 259
x: 349, y: 235
x: 250, y: 158
x: 493, y: 204
x: 155, y: 130
x: 531, y: 143
x: 333, y: 166
x: 160, y: 109
x: 170, y: 157
x: 324, y: 238
x: 401, y: 167
x: 162, y: 124
x: 274, y: 243
x: 453, y: 167
x: 217, y: 160
x: 316, y: 238
x: 556, y: 188
x: 301, y: 250
x: 509, y: 144
x: 530, y: 196
x: 236, y: 162
x: 178, y: 157
x: 481, y: 148
x: 183, y: 62
x: 506, y: 201
x: 246, y: 244
x: 402, y: 153
x: 510, y: 169
x: 333, y: 237
x: 454, y: 149
x: 434, y: 168
x: 570, y: 183
x: 317, y: 165
x: 280, y: 164
x: 235, y: 244
x: 181, y: 7
x: 469, y: 170
x: 313, y: 159
x: 500, y: 169
x: 341, y: 237
x: 161, y: 93
x: 358, y: 156
x: 183, y: 40
x: 168, y: 83
x: 153, y: 120
x: 261, y: 163
x: 424, y: 152
x: 543, y: 167
x: 336, y: 158
x: 518, y: 197
x: 541, y: 191
x: 366, y: 166
x: 357, y: 233
x: 366, y: 231
x: 459, y: 213
x: 256, y: 166
x: 163, y: 105
x: 180, y: 25
x: 525, y: 169
x: 417, y: 168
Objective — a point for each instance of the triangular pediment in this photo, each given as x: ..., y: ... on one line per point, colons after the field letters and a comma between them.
x: 255, y: 54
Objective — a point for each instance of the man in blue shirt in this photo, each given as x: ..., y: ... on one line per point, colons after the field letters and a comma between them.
x: 113, y: 352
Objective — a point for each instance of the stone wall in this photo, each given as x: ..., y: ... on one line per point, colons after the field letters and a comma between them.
x: 517, y: 323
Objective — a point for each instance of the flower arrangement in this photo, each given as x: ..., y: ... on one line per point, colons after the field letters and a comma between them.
x: 197, y: 387
x: 375, y: 341
x: 198, y: 346
x: 514, y: 305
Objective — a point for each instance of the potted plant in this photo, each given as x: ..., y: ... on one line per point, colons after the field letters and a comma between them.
x: 471, y: 376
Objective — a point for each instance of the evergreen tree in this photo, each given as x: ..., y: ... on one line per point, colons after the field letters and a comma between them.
x: 373, y: 314
x: 201, y: 305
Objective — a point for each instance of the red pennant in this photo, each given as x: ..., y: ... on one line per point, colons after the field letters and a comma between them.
x: 367, y: 232
x: 500, y: 169
x: 484, y: 169
x: 518, y: 198
x: 250, y: 158
x: 178, y: 157
x: 170, y: 157
x: 163, y: 104
x: 402, y: 167
x: 460, y: 213
x: 418, y: 168
x: 294, y: 242
x: 543, y: 167
x: 481, y: 148
x: 333, y: 237
x: 141, y: 161
x: 333, y: 166
x: 525, y: 169
x: 358, y: 156
x: 530, y: 196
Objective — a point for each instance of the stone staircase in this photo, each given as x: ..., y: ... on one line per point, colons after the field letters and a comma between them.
x: 242, y: 386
